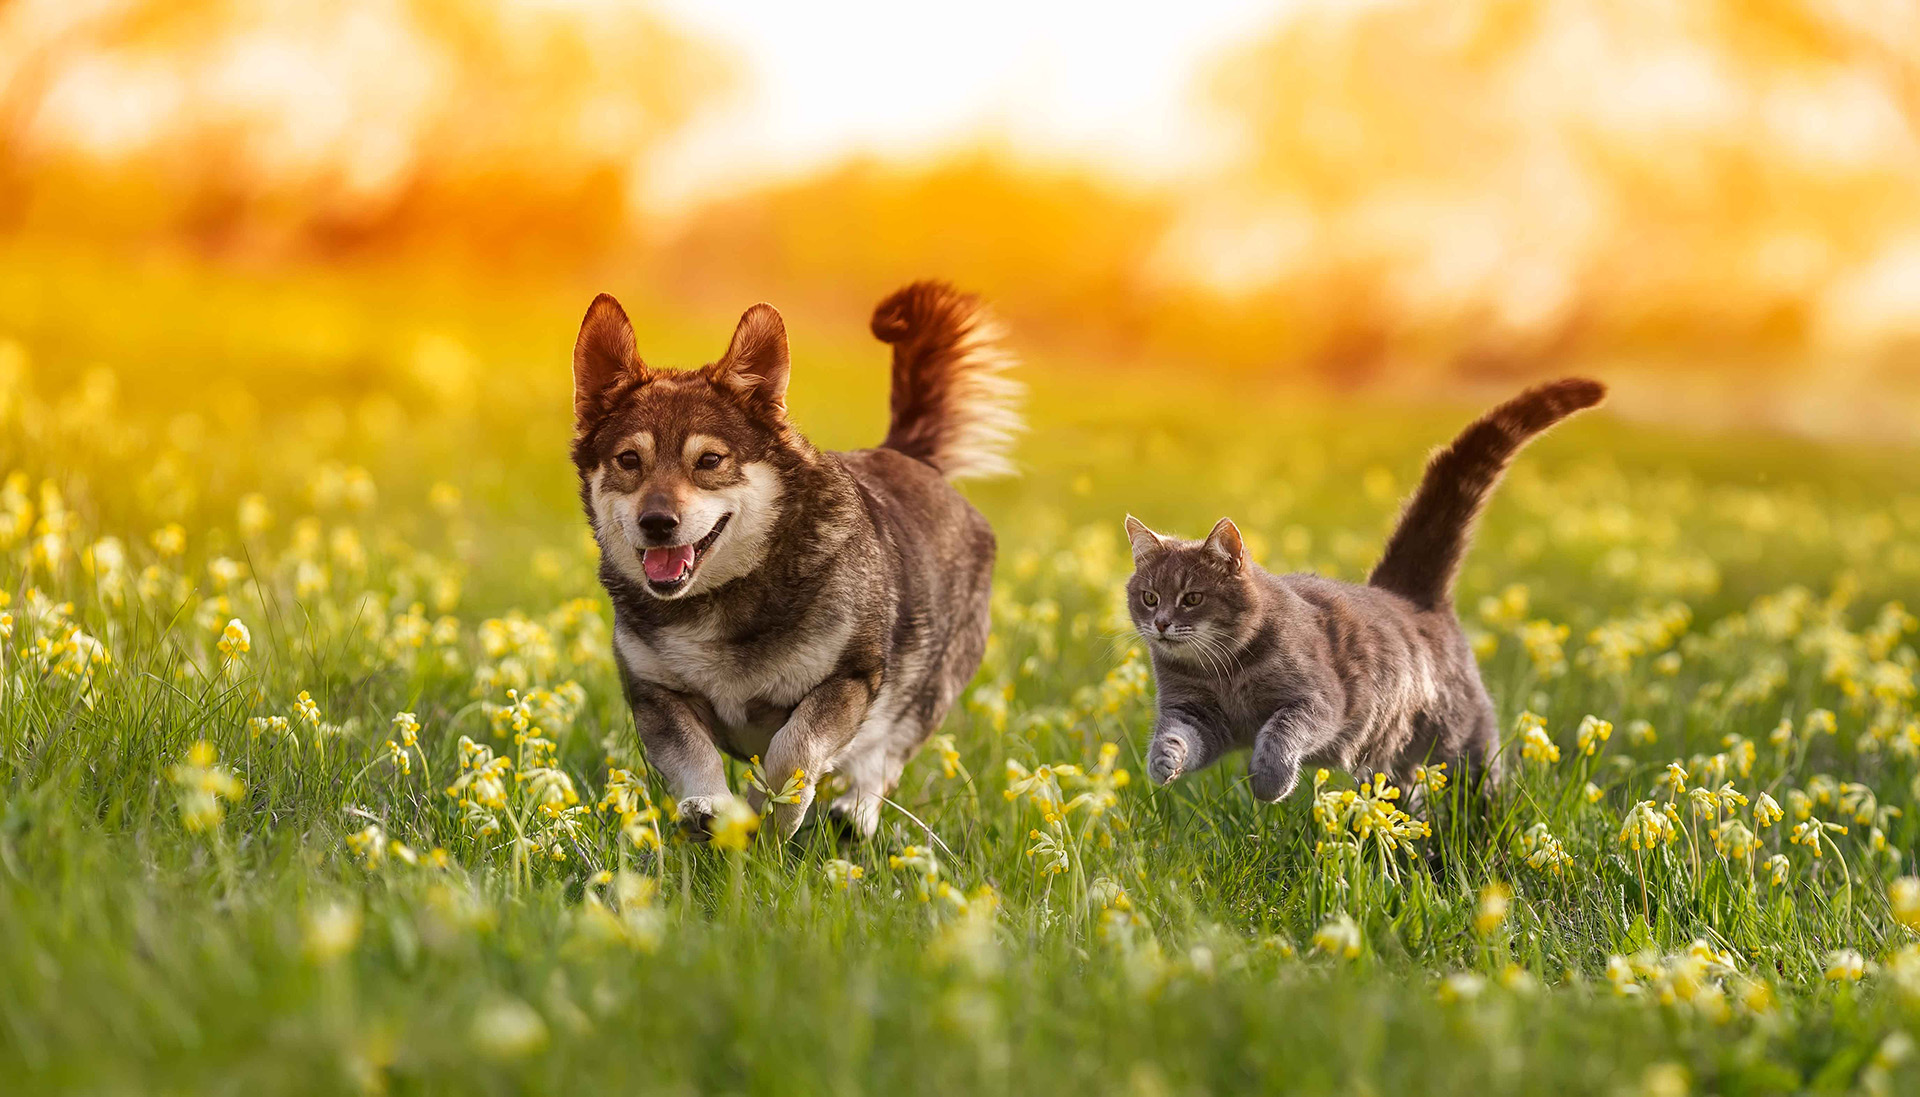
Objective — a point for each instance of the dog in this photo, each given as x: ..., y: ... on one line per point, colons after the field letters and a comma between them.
x: 818, y: 610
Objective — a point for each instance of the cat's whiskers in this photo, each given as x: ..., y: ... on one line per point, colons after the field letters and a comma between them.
x: 1225, y: 661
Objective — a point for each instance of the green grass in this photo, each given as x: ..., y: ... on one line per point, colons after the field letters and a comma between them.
x: 145, y: 956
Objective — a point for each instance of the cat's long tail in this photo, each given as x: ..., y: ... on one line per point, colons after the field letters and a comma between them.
x: 1424, y: 553
x: 954, y: 407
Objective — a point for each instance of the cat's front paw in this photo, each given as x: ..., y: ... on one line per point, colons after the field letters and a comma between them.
x: 1166, y: 759
x: 1273, y: 771
x: 1272, y: 775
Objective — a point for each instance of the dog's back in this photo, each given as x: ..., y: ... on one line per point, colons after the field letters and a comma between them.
x: 937, y: 552
x: 954, y: 416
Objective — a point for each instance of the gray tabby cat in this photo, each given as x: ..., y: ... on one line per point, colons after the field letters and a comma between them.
x: 1306, y: 670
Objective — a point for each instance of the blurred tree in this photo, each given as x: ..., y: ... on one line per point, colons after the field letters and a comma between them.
x: 500, y: 128
x: 1060, y: 250
x: 1505, y: 180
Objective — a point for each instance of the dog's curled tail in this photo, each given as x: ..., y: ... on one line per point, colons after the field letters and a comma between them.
x: 1424, y: 553
x: 954, y: 406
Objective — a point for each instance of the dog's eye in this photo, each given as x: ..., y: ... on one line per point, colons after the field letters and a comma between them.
x: 709, y: 461
x: 628, y: 460
x: 1192, y: 598
x: 1150, y: 598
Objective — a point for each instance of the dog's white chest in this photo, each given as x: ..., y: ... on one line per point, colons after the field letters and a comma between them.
x: 734, y: 678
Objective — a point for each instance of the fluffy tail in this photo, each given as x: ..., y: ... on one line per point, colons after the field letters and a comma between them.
x: 953, y: 405
x: 1423, y: 555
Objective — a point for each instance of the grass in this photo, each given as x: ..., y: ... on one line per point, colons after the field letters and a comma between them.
x: 176, y: 922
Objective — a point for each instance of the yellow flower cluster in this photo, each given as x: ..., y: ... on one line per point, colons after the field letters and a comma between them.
x: 205, y: 787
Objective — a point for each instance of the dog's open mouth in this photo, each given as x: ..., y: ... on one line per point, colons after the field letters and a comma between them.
x: 670, y: 568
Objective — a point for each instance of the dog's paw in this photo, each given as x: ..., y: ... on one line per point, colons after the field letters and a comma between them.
x: 1166, y: 759
x: 696, y: 816
x: 787, y: 816
x: 859, y: 813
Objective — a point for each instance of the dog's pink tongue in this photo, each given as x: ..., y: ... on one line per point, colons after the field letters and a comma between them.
x: 664, y: 565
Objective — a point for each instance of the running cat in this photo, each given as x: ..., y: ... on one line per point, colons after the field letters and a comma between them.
x: 1306, y: 670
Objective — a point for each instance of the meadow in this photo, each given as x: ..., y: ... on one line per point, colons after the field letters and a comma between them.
x: 315, y: 776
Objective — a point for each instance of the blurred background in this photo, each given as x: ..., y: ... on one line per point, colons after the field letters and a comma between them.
x: 1714, y: 204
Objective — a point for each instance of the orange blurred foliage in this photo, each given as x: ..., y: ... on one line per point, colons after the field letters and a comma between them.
x: 1429, y: 188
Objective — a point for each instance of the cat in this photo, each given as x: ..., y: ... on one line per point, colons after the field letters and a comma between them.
x: 1306, y: 670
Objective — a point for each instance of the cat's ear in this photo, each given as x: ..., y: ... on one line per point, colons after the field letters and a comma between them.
x: 1144, y: 541
x: 756, y: 362
x: 1225, y: 542
x: 603, y: 356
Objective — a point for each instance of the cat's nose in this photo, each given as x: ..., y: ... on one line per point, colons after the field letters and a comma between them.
x: 1161, y: 623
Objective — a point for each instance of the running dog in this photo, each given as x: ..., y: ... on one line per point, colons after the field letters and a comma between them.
x: 818, y: 610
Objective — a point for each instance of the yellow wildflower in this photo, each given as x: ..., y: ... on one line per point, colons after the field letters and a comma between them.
x: 169, y: 540
x: 330, y: 932
x: 1339, y: 937
x: 1537, y: 746
x: 235, y: 640
x: 1646, y: 826
x: 1495, y: 899
x: 1461, y: 986
x: 1778, y: 867
x: 944, y: 749
x: 843, y: 874
x: 369, y: 844
x: 205, y: 786
x: 305, y: 708
x: 1903, y: 897
x: 1593, y: 733
x: 1432, y: 777
x: 508, y: 1028
x: 1845, y: 966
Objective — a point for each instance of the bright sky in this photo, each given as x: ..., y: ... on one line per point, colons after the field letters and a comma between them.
x: 1109, y: 83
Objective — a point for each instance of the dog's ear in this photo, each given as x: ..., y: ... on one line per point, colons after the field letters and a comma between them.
x: 1225, y: 542
x: 1144, y: 541
x: 756, y: 364
x: 602, y: 356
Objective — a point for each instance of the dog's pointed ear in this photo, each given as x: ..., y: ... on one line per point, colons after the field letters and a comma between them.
x: 1225, y: 542
x: 756, y: 361
x: 603, y: 356
x: 1145, y: 542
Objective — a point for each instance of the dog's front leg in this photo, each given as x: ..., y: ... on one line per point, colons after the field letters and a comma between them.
x: 821, y: 725
x: 681, y: 748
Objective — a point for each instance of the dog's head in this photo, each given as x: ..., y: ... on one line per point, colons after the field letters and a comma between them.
x: 681, y: 470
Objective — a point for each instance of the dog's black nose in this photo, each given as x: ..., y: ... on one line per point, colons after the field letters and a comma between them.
x: 658, y: 523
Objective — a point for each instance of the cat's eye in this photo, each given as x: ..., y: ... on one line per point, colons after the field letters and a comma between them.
x: 709, y: 461
x: 1150, y: 598
x: 628, y: 459
x: 1192, y: 598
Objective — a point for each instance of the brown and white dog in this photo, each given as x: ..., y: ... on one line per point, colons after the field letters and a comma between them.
x: 818, y: 610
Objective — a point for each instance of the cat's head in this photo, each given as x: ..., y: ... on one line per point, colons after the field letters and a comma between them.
x: 1191, y: 600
